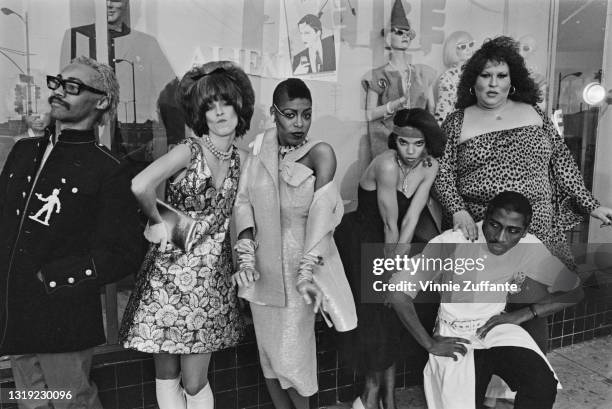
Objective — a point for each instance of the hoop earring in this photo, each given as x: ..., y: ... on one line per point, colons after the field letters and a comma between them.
x: 512, y: 90
x: 472, y: 91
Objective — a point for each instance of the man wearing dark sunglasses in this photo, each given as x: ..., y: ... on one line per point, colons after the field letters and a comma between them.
x: 70, y: 226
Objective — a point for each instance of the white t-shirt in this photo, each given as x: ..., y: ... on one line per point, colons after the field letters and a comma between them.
x: 475, y: 279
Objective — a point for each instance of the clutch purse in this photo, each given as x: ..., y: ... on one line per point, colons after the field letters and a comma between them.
x: 180, y: 227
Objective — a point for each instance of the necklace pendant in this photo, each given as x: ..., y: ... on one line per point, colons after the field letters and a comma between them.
x: 498, y: 117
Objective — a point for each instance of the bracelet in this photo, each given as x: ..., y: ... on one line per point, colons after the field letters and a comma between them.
x: 533, y: 311
x: 388, y: 108
x: 305, y: 267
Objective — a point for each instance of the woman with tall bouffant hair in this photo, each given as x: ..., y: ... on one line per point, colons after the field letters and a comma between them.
x: 392, y: 197
x: 184, y: 306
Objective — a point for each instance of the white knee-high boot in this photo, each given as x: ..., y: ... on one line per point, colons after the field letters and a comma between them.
x: 170, y: 394
x: 204, y: 399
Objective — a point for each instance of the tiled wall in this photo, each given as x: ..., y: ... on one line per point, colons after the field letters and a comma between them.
x: 126, y: 380
x: 588, y: 319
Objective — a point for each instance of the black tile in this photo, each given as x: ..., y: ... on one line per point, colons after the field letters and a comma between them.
x: 327, y: 397
x: 399, y: 380
x: 568, y: 328
x: 345, y: 394
x: 554, y: 330
x: 314, y: 401
x: 327, y: 360
x: 599, y: 320
x: 569, y: 313
x: 413, y: 379
x: 268, y: 405
x: 247, y: 354
x: 108, y: 399
x: 566, y: 340
x: 327, y: 379
x: 264, y: 395
x: 326, y: 341
x: 555, y: 343
x: 358, y: 388
x: 580, y: 309
x: 578, y: 325
x: 346, y: 376
x: 248, y: 396
x: 225, y: 400
x: 225, y: 380
x: 104, y: 377
x: 129, y: 397
x: 148, y: 370
x: 129, y: 374
x: 558, y: 316
x: 588, y: 335
x: 148, y: 393
x: 578, y: 338
x: 225, y: 359
x: 247, y: 376
x: 590, y: 307
x: 589, y: 322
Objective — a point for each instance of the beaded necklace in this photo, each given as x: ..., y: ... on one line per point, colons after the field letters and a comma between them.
x: 214, y: 150
x: 283, y: 150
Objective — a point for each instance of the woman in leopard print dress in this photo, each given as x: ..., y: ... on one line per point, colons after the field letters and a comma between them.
x: 499, y: 140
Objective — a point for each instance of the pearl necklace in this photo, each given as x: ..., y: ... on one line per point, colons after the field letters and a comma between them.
x: 215, y: 151
x: 405, y: 173
x: 285, y: 149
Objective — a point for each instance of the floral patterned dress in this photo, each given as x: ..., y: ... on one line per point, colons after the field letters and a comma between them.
x: 184, y: 303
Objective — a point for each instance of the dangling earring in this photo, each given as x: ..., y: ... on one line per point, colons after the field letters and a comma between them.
x: 472, y: 91
x: 512, y: 90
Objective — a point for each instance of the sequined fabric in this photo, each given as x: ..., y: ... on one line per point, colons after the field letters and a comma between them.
x: 285, y: 335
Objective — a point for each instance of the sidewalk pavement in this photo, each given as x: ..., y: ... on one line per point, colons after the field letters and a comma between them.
x: 584, y: 369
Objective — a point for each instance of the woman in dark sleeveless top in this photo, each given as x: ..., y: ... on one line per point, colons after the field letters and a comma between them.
x: 392, y: 195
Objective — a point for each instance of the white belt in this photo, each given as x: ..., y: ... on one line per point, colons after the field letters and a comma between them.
x: 465, y: 325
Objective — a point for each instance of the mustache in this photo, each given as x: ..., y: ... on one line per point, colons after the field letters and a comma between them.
x: 60, y: 101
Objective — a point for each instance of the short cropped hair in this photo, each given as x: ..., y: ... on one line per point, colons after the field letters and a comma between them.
x: 312, y: 20
x: 511, y: 202
x: 214, y: 81
x: 500, y: 49
x: 422, y: 120
x: 294, y: 88
x: 106, y: 81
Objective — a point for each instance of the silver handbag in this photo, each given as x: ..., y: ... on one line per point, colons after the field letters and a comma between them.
x: 180, y: 227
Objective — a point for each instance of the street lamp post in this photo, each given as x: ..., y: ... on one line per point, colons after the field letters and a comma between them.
x: 133, y: 83
x: 24, y: 19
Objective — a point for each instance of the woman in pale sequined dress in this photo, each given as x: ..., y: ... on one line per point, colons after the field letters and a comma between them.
x: 286, y: 192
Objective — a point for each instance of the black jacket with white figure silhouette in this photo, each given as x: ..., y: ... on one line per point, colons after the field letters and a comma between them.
x: 67, y: 229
